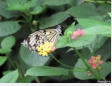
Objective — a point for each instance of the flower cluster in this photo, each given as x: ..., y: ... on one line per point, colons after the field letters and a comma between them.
x: 46, y: 48
x: 78, y: 33
x: 95, y: 61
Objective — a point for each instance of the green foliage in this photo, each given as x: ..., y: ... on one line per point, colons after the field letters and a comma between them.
x: 25, y: 80
x: 94, y: 27
x: 5, y: 50
x: 32, y: 58
x: 20, y: 5
x: 86, y: 22
x: 8, y: 42
x: 53, y: 20
x: 81, y: 72
x: 105, y: 69
x: 8, y: 27
x: 10, y: 77
x: 83, y: 11
x: 56, y: 2
x: 105, y: 50
x: 4, y: 12
x: 46, y: 71
x: 38, y: 10
x: 17, y: 18
x: 3, y: 59
x: 98, y: 42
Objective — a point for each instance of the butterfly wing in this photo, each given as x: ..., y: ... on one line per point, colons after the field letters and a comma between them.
x: 52, y: 34
x: 34, y: 40
x: 37, y: 38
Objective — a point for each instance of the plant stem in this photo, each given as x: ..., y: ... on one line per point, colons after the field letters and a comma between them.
x: 81, y: 57
x: 10, y: 61
x: 37, y: 80
x: 86, y: 64
x: 64, y: 65
x: 19, y: 70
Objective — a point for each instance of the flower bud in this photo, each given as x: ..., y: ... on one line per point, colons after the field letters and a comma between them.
x: 34, y: 22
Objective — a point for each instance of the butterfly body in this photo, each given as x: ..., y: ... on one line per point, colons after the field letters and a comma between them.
x: 34, y: 40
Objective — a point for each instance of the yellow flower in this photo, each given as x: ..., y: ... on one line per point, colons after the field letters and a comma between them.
x: 46, y: 48
x: 98, y: 57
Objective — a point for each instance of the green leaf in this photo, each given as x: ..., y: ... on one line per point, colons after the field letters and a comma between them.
x: 30, y: 4
x: 103, y: 9
x: 10, y: 77
x: 3, y: 59
x: 105, y: 69
x: 95, y: 27
x: 61, y: 44
x: 81, y: 42
x: 65, y: 54
x: 38, y: 10
x: 83, y: 10
x: 87, y: 22
x: 8, y: 27
x: 85, y: 52
x: 56, y: 2
x: 6, y: 72
x: 80, y: 71
x: 109, y: 14
x: 53, y: 20
x: 16, y: 5
x: 5, y: 50
x: 98, y: 42
x: 21, y: 5
x: 46, y: 71
x: 27, y: 79
x: 105, y: 50
x: 8, y: 42
x: 99, y: 30
x: 4, y: 12
x: 32, y: 58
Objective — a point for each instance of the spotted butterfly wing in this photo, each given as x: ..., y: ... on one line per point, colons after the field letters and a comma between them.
x: 37, y: 38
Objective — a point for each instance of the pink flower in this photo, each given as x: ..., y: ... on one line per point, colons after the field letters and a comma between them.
x: 82, y: 32
x: 100, y: 62
x: 74, y: 35
x: 53, y: 48
x: 93, y: 66
x: 95, y: 61
x: 78, y: 33
x: 90, y: 61
x: 82, y: 1
x: 93, y: 57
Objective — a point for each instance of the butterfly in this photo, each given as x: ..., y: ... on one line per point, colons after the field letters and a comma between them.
x: 34, y: 40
